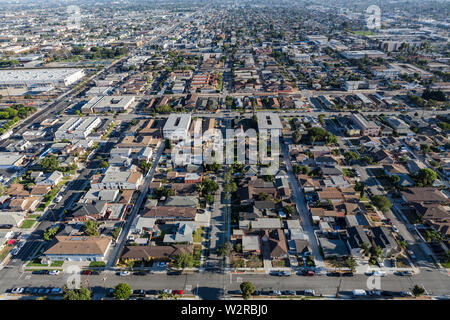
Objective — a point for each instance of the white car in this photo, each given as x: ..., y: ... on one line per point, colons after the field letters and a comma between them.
x: 380, y: 273
x: 17, y: 290
x: 54, y: 272
x: 125, y: 273
x: 395, y: 229
x: 276, y: 293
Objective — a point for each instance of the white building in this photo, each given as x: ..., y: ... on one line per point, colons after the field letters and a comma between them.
x: 77, y: 128
x: 40, y: 77
x: 269, y: 121
x: 108, y: 104
x: 177, y: 126
x: 117, y: 178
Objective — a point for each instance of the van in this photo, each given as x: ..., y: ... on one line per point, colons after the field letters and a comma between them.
x: 359, y: 292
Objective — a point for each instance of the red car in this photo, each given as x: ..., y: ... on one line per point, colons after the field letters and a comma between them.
x: 177, y: 291
x: 308, y: 273
x: 86, y: 272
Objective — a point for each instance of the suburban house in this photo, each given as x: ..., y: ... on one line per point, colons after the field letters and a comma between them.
x: 78, y: 248
x: 382, y: 237
x: 356, y: 237
x: 158, y: 253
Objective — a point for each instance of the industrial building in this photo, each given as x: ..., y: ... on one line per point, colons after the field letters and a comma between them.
x: 108, y: 104
x: 40, y: 77
x: 77, y: 128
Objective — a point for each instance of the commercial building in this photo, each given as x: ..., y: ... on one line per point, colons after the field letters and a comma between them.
x: 9, y: 160
x: 77, y: 128
x: 78, y: 248
x: 269, y: 121
x: 367, y: 128
x: 117, y: 178
x: 177, y: 126
x: 360, y: 54
x: 40, y: 77
x: 108, y: 104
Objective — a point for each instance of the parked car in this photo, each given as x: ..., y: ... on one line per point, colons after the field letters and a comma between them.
x: 54, y: 272
x: 177, y: 291
x: 333, y: 274
x: 309, y: 292
x: 139, y: 292
x: 17, y: 290
x: 276, y: 293
x: 40, y: 272
x: 406, y: 294
x: 86, y: 272
x: 394, y: 228
x: 29, y: 290
x: 231, y: 292
x: 380, y: 273
x: 374, y: 293
x: 152, y: 292
x: 359, y: 292
x: 124, y: 273
x: 289, y: 293
x: 347, y: 274
x: 56, y: 291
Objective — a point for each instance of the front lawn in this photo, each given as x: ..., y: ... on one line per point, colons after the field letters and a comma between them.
x: 5, y: 252
x: 28, y: 224
x: 198, y: 235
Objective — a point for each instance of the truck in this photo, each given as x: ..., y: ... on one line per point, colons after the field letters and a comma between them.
x: 359, y: 292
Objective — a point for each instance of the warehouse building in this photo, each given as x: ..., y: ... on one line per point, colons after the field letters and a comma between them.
x: 108, y: 104
x: 77, y: 128
x: 40, y: 77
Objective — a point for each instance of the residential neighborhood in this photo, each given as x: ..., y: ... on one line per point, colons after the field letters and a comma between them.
x: 224, y: 151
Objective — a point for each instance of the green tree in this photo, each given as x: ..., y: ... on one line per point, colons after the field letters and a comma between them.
x: 50, y: 163
x: 351, y: 155
x: 50, y: 233
x: 247, y: 289
x: 145, y: 166
x: 90, y: 228
x: 418, y: 290
x: 168, y: 144
x: 209, y: 198
x: 104, y: 164
x: 184, y: 260
x: 297, y: 136
x: 426, y: 176
x: 122, y: 291
x: 382, y: 203
x: 76, y: 294
x: 263, y: 196
x: 225, y: 249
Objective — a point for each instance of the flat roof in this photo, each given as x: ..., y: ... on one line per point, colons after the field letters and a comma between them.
x: 36, y: 75
x: 268, y: 120
x: 178, y: 121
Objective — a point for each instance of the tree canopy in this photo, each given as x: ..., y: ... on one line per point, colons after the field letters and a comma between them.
x: 122, y: 291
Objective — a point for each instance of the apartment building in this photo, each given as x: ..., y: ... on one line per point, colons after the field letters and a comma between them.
x: 367, y: 128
